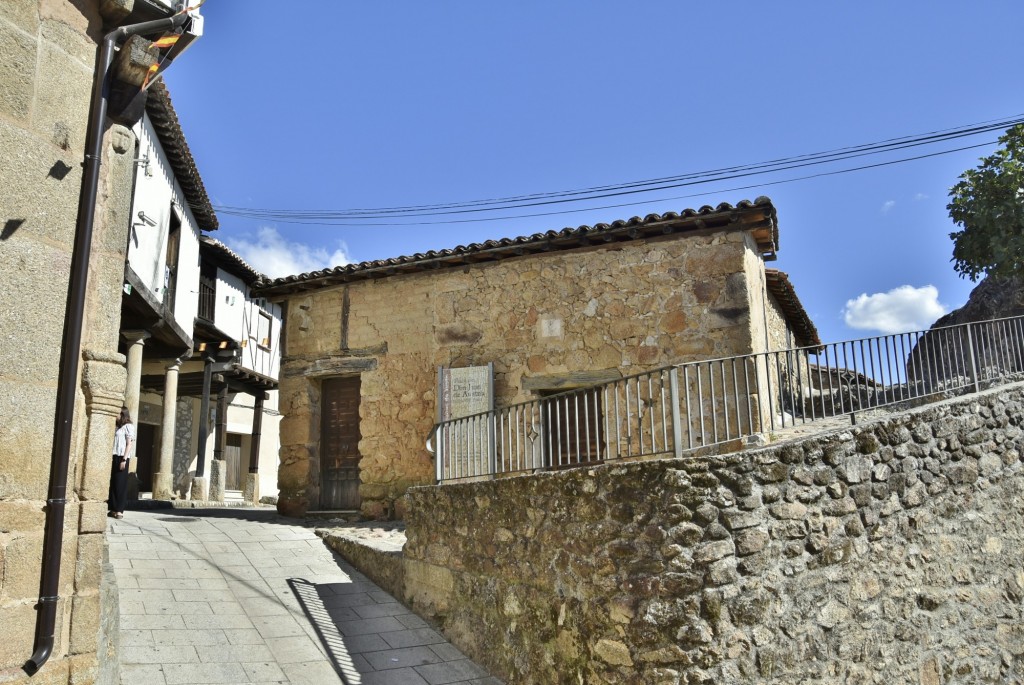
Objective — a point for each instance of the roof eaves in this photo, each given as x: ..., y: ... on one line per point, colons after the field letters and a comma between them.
x: 172, y: 139
x: 782, y: 289
x: 758, y: 216
x: 230, y: 259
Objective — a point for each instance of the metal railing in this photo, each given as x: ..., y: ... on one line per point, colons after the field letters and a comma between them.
x: 675, y: 410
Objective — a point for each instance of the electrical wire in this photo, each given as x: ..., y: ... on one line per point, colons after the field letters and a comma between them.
x: 360, y: 216
x: 354, y: 222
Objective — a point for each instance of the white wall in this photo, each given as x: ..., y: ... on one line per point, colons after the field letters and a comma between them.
x: 155, y: 190
x: 238, y: 315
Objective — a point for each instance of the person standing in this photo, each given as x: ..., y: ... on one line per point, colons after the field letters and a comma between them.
x: 124, y: 441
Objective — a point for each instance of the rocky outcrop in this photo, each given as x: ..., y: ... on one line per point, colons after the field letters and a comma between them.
x: 941, y: 358
x: 993, y: 298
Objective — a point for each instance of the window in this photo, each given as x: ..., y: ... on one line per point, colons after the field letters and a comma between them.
x: 573, y: 422
x: 263, y: 327
x: 171, y: 261
x: 207, y: 291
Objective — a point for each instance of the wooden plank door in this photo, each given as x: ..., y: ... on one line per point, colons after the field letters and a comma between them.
x: 339, y: 444
x: 233, y: 462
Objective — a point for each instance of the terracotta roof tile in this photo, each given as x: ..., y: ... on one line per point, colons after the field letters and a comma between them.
x: 229, y: 259
x: 803, y: 328
x: 172, y: 139
x: 758, y: 215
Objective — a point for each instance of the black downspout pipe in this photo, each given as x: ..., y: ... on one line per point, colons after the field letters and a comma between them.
x: 53, y: 537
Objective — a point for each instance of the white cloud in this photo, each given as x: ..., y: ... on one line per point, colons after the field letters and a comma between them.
x: 921, y: 196
x: 270, y: 253
x: 889, y: 204
x: 902, y: 309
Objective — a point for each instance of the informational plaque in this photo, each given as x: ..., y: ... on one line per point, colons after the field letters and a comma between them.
x: 465, y: 448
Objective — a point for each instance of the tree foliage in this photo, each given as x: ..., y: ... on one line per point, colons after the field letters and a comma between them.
x: 988, y: 203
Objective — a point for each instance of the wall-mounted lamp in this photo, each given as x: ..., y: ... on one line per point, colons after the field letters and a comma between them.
x: 145, y: 219
x: 144, y: 161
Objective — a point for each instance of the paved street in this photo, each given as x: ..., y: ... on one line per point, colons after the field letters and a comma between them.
x: 246, y: 596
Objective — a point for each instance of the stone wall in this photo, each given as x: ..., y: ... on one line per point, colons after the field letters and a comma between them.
x: 47, y: 53
x: 619, y: 308
x: 887, y: 552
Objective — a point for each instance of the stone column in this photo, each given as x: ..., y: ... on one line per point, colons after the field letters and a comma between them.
x: 218, y: 469
x: 163, y: 478
x: 252, y: 479
x: 136, y: 340
x: 200, y: 484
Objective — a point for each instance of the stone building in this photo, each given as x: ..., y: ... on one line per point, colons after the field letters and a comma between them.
x: 363, y: 342
x: 61, y: 375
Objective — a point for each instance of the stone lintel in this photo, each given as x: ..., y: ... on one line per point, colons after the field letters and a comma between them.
x: 570, y: 381
x: 329, y: 366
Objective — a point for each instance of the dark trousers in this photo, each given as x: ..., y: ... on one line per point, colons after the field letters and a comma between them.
x: 117, y: 497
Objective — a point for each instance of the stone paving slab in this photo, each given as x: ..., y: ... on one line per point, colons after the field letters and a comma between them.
x: 234, y: 595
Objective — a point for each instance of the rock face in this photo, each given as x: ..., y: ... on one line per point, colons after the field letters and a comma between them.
x: 887, y: 553
x: 941, y: 357
x: 993, y: 298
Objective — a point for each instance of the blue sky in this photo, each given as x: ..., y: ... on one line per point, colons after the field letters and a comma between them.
x: 326, y: 104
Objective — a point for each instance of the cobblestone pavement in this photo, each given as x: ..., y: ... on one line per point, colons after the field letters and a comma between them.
x: 247, y: 596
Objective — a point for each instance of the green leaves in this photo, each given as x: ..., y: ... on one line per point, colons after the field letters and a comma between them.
x: 988, y: 203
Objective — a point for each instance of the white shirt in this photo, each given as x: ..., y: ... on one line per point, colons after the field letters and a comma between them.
x: 122, y: 436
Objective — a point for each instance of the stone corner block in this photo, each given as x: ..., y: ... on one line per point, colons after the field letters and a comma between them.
x: 200, y: 488
x: 218, y: 478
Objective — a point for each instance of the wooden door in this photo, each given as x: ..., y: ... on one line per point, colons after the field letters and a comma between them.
x: 145, y: 453
x: 339, y: 444
x: 233, y: 462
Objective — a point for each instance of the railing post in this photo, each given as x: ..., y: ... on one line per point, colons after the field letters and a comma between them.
x: 677, y: 423
x: 492, y: 451
x: 974, y: 365
x: 438, y: 453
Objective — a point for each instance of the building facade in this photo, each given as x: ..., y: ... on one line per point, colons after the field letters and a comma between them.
x: 236, y: 337
x: 71, y: 385
x: 66, y: 187
x: 553, y: 311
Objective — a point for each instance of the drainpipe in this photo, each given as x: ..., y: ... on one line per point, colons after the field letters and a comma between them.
x: 49, y: 582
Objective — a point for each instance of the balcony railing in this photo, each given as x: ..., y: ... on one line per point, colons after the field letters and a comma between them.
x: 677, y: 410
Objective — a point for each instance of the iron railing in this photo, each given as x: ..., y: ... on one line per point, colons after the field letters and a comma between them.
x: 679, y: 409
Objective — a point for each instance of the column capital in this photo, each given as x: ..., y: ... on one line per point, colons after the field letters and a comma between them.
x: 174, y: 366
x: 136, y: 337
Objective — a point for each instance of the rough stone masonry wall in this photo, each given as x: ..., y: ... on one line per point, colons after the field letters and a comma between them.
x: 47, y: 52
x: 629, y: 306
x: 892, y: 552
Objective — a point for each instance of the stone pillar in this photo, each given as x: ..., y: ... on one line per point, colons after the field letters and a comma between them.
x: 252, y: 479
x: 102, y: 379
x: 136, y: 340
x: 218, y: 468
x: 200, y: 484
x: 163, y: 478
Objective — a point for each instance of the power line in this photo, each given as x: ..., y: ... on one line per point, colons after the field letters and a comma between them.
x: 360, y: 216
x: 355, y: 222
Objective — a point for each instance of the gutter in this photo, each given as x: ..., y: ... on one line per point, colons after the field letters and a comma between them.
x: 53, y: 539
